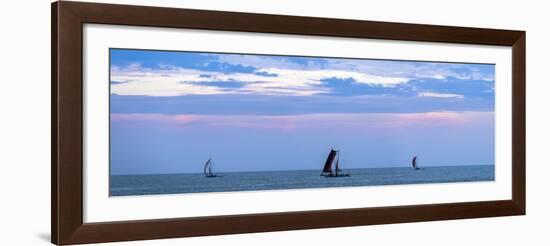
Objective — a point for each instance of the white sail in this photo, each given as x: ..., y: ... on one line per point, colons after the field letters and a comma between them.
x: 208, y: 169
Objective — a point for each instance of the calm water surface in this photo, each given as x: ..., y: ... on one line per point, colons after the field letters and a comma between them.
x: 124, y: 185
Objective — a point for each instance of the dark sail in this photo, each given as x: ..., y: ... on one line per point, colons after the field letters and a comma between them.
x: 414, y: 163
x: 328, y: 164
x: 327, y: 169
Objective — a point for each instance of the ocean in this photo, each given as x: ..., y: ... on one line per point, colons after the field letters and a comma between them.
x: 150, y: 184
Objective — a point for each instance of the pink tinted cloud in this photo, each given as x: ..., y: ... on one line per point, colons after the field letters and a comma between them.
x: 154, y: 118
x: 287, y: 123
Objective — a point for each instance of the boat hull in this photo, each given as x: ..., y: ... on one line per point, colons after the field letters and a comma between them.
x: 213, y: 176
x: 337, y: 175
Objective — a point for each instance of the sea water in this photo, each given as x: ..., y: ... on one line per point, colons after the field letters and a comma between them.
x: 149, y: 184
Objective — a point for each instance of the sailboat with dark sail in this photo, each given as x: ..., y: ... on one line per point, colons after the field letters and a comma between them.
x: 327, y: 169
x: 208, y: 169
x: 414, y: 165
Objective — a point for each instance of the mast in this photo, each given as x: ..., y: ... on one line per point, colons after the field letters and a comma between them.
x: 337, y: 169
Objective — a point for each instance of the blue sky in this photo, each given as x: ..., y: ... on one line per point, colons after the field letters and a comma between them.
x: 171, y: 111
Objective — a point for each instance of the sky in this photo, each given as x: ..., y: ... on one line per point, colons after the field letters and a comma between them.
x: 172, y: 111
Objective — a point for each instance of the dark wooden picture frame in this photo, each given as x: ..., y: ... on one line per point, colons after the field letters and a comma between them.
x: 67, y: 122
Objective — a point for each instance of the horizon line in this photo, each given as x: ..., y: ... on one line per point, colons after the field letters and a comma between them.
x: 288, y: 170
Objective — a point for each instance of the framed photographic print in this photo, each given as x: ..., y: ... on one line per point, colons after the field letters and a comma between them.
x: 174, y: 122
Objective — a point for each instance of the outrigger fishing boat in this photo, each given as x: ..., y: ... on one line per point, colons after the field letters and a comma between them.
x: 414, y: 165
x: 208, y: 169
x: 327, y: 169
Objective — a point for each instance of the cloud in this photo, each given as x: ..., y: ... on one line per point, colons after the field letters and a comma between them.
x: 118, y: 82
x: 316, y: 76
x: 177, y: 74
x: 382, y: 68
x: 302, y: 122
x: 281, y: 105
x: 440, y: 95
x: 259, y: 61
x: 182, y: 119
x: 416, y: 70
x: 177, y: 81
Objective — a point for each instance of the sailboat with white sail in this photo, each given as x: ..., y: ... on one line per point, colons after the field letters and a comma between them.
x: 333, y: 156
x: 208, y: 169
